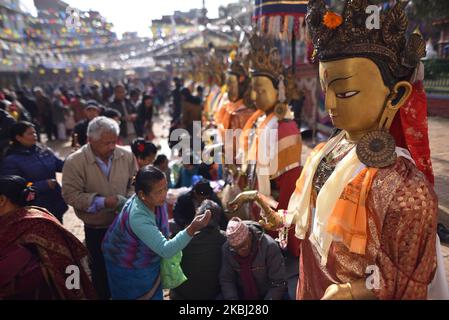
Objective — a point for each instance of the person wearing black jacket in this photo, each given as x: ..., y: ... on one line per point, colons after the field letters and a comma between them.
x: 28, y: 103
x: 201, y: 259
x: 177, y: 100
x: 38, y: 165
x: 6, y: 122
x: 128, y: 130
x: 44, y: 108
x: 92, y: 110
x: 187, y: 204
x: 144, y: 122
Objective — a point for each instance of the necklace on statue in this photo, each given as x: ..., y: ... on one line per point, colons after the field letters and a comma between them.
x: 329, y: 162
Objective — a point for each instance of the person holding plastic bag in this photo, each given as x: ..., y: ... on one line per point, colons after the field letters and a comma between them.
x: 136, y: 243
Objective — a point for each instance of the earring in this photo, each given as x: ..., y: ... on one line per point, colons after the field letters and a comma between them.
x: 281, y: 90
x: 388, y: 115
x: 281, y: 110
x: 377, y: 149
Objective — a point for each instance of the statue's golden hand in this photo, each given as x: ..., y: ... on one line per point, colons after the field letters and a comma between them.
x: 241, y: 199
x: 338, y: 292
x: 271, y: 220
x: 231, y: 169
x: 355, y: 290
x: 267, y: 225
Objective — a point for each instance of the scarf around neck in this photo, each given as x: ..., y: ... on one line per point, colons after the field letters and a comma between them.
x: 327, y: 217
x: 250, y: 291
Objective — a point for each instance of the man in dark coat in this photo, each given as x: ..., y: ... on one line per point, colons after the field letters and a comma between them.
x: 253, y: 266
x: 92, y: 110
x: 28, y: 104
x: 44, y: 108
x: 6, y: 122
x: 201, y: 259
x: 177, y: 102
x: 187, y: 204
x: 128, y: 130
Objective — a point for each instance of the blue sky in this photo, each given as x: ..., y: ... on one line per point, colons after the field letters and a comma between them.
x: 136, y: 15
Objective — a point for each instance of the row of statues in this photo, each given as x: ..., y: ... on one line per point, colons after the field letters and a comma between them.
x: 361, y: 214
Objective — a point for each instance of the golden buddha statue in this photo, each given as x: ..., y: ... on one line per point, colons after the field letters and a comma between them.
x: 230, y: 120
x: 270, y: 145
x: 234, y: 114
x: 216, y: 76
x: 364, y: 207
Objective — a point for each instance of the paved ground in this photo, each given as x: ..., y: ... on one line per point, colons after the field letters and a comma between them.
x: 439, y: 143
x: 438, y: 106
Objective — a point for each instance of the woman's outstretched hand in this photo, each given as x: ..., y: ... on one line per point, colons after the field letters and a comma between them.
x: 199, y: 222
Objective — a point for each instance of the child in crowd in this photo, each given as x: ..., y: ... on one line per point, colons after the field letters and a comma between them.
x: 162, y: 164
x: 144, y: 151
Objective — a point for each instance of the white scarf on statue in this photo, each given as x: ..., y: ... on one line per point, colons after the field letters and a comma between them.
x: 299, y: 206
x: 267, y: 155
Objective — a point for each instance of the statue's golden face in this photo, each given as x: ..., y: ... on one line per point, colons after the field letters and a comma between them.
x: 355, y: 93
x: 233, y: 87
x: 263, y: 93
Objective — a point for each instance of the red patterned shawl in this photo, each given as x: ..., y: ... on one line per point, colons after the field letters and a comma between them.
x: 57, y: 249
x: 411, y: 131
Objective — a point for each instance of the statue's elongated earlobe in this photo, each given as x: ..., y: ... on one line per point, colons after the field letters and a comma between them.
x: 394, y: 103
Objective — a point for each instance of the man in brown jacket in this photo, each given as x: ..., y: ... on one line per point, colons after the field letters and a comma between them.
x: 97, y: 180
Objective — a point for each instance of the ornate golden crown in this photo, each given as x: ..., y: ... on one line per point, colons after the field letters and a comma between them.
x: 215, y: 66
x: 265, y: 58
x: 335, y: 37
x: 239, y: 66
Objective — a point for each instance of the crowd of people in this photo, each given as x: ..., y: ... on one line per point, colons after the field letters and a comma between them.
x: 357, y: 220
x: 117, y: 181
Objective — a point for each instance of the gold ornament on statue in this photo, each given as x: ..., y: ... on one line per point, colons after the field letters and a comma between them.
x: 281, y: 110
x: 265, y: 58
x: 389, y: 44
x: 377, y: 149
x: 239, y: 67
x: 266, y: 61
x: 216, y: 68
x: 352, y: 37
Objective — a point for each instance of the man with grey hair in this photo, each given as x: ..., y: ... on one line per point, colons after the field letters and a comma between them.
x: 96, y: 181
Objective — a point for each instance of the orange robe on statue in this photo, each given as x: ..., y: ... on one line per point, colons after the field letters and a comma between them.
x: 387, y: 227
x: 289, y: 146
x: 400, y: 237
